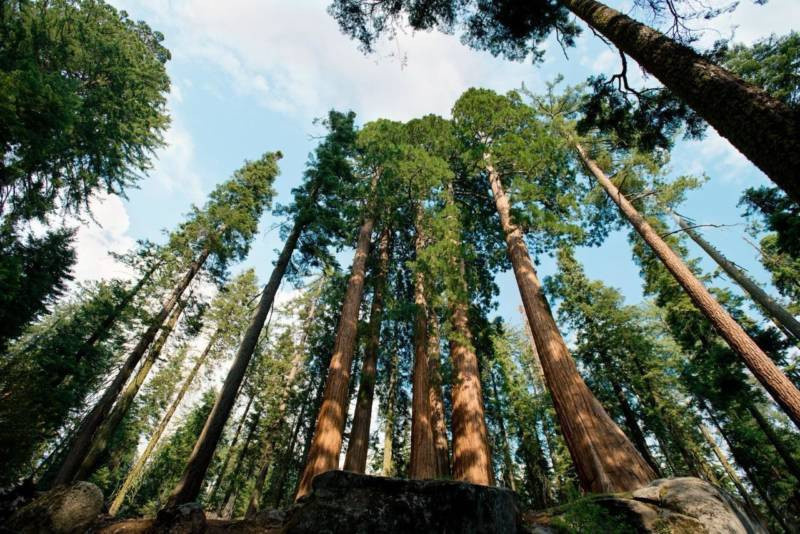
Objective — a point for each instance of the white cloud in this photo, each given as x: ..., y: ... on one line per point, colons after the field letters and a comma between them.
x: 108, y: 232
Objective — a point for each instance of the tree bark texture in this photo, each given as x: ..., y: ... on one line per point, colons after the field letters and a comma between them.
x: 188, y: 488
x: 327, y: 441
x: 778, y: 313
x: 763, y: 368
x: 732, y: 106
x: 357, y: 447
x: 605, y: 460
x: 441, y: 447
x: 388, y: 430
x: 125, y: 400
x: 138, y: 468
x: 92, y: 421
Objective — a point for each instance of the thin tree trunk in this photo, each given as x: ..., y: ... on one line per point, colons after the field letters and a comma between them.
x: 92, y: 421
x: 435, y: 400
x: 778, y: 313
x: 356, y: 458
x: 136, y: 471
x: 776, y: 441
x: 225, y: 508
x: 309, y: 437
x: 508, y: 470
x: 125, y: 400
x: 388, y: 431
x: 604, y: 458
x: 327, y: 441
x: 108, y: 322
x: 763, y: 368
x: 283, y: 466
x: 729, y: 470
x: 732, y: 106
x: 188, y: 488
x: 228, y: 456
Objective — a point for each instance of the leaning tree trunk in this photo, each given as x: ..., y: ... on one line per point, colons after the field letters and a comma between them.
x: 136, y: 471
x: 605, y: 460
x: 732, y: 106
x: 422, y: 463
x: 776, y: 441
x: 435, y: 399
x: 763, y: 368
x: 726, y: 465
x: 327, y: 441
x: 356, y: 458
x: 229, y: 454
x: 778, y: 313
x: 92, y: 421
x: 108, y: 322
x: 225, y: 506
x: 279, y: 479
x: 125, y: 401
x: 188, y: 488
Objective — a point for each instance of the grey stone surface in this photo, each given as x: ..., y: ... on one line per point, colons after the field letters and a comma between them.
x: 62, y: 510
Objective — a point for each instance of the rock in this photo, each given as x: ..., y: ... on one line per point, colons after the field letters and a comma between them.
x: 348, y: 502
x: 186, y: 518
x: 674, y: 506
x: 62, y: 510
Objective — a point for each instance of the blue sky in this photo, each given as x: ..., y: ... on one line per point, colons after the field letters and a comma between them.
x: 249, y: 76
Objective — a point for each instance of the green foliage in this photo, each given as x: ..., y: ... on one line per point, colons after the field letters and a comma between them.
x: 82, y: 103
x: 585, y: 517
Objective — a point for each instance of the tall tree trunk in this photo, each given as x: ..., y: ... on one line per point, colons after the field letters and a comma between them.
x: 778, y: 313
x: 471, y: 456
x: 136, y: 471
x: 776, y: 441
x: 435, y: 401
x: 356, y: 458
x: 278, y: 420
x: 225, y: 505
x: 732, y: 106
x: 188, y: 488
x: 283, y: 466
x: 605, y: 460
x: 388, y: 431
x: 108, y: 322
x: 228, y: 456
x: 763, y: 368
x: 729, y: 470
x: 125, y: 400
x: 508, y: 467
x: 92, y: 421
x: 422, y: 464
x: 327, y: 441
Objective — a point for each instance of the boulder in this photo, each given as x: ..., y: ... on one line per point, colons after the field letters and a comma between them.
x: 348, y: 502
x: 62, y: 510
x: 186, y: 518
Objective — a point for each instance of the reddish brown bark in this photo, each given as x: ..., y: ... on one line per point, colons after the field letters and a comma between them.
x: 605, y: 460
x: 763, y: 368
x: 441, y: 448
x: 326, y: 444
x: 422, y: 464
x: 356, y: 459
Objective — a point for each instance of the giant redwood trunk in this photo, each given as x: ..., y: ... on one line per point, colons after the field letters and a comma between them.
x: 604, y: 458
x: 388, y: 430
x: 779, y: 314
x: 138, y: 468
x: 123, y: 404
x: 326, y: 444
x: 356, y: 458
x: 471, y: 456
x: 92, y: 421
x: 732, y: 106
x: 435, y: 400
x: 188, y: 488
x: 762, y: 367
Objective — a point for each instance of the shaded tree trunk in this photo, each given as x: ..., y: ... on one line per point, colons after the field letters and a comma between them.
x: 441, y: 447
x: 779, y: 314
x: 228, y: 456
x: 604, y: 458
x: 188, y: 488
x: 356, y: 458
x: 776, y: 441
x: 92, y: 421
x: 283, y: 466
x: 125, y: 400
x: 732, y: 106
x: 508, y: 463
x: 225, y: 505
x: 763, y: 368
x: 388, y: 431
x: 135, y: 472
x: 729, y: 470
x: 327, y: 441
